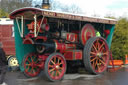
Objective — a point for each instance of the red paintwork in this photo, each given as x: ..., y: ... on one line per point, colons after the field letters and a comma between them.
x: 7, y: 39
x: 62, y: 47
x: 87, y: 32
x: 73, y: 55
x: 28, y: 41
x: 72, y: 37
x: 44, y: 23
x: 29, y: 35
x: 41, y: 38
x: 106, y: 32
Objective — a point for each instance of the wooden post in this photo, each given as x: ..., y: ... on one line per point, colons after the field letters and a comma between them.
x: 126, y: 59
x: 112, y: 61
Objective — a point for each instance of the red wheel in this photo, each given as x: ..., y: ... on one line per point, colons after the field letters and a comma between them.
x: 96, y: 55
x: 31, y: 65
x: 87, y: 32
x: 55, y: 67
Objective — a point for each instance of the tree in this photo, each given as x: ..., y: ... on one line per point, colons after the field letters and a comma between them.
x: 72, y: 8
x: 10, y: 5
x: 3, y: 13
x: 120, y: 39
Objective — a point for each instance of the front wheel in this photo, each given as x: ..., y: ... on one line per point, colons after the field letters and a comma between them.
x: 31, y: 65
x: 96, y: 55
x: 55, y: 67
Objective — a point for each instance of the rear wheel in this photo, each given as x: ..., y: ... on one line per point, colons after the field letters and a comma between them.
x: 31, y: 65
x: 96, y: 55
x: 55, y: 67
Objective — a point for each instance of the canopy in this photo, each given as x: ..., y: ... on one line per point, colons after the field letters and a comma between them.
x: 29, y: 12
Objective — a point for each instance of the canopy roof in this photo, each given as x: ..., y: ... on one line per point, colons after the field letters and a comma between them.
x: 29, y: 12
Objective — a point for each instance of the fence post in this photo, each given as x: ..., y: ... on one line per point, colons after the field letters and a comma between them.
x: 126, y: 59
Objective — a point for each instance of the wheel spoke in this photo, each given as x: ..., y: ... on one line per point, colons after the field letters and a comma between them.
x: 94, y: 48
x: 52, y: 69
x: 93, y: 53
x: 92, y: 56
x: 31, y: 70
x: 97, y: 43
x: 102, y: 49
x: 51, y: 66
x: 35, y: 59
x: 58, y: 72
x: 93, y: 59
x: 106, y: 53
x: 31, y: 58
x: 58, y: 61
x: 101, y: 46
x: 102, y: 62
x: 99, y: 70
x: 53, y: 62
x: 27, y: 69
x: 34, y: 72
x: 54, y: 59
x: 61, y: 68
x: 28, y: 61
x: 95, y: 63
x: 28, y: 64
x: 52, y: 73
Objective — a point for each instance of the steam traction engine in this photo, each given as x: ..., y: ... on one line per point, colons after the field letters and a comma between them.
x: 53, y: 41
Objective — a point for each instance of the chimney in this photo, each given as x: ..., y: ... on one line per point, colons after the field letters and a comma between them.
x: 45, y: 4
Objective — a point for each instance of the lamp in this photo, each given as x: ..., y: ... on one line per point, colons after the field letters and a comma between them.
x: 45, y: 4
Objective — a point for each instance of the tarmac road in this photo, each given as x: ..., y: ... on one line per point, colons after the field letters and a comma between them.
x: 119, y: 77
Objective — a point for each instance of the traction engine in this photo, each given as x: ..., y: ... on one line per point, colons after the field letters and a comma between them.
x: 56, y: 46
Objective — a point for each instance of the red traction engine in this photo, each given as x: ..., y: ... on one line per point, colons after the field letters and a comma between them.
x: 59, y: 49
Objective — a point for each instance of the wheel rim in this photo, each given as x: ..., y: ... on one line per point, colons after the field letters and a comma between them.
x: 31, y: 65
x: 56, y: 67
x: 99, y: 55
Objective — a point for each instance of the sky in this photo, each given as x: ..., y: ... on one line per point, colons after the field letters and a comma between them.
x: 116, y: 8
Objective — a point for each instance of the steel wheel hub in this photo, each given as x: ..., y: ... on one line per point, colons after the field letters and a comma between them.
x: 99, y: 54
x: 57, y: 67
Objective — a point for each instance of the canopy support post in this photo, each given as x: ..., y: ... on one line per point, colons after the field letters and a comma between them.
x: 22, y: 26
x: 20, y: 29
x: 35, y: 25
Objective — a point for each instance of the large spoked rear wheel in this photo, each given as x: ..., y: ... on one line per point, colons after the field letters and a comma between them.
x: 96, y: 55
x: 31, y: 65
x: 55, y: 67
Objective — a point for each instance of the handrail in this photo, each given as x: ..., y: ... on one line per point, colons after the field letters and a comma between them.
x: 20, y: 29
